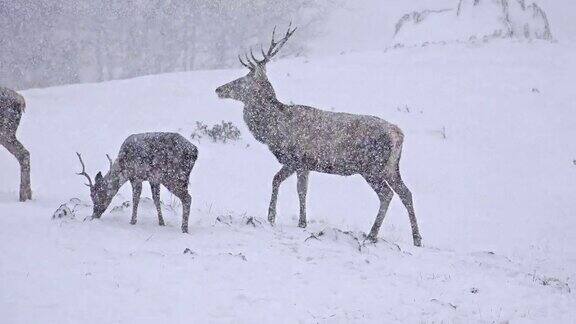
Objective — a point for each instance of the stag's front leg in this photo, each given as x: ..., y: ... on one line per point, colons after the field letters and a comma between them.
x: 136, y: 191
x: 302, y: 186
x: 280, y: 176
x: 405, y: 194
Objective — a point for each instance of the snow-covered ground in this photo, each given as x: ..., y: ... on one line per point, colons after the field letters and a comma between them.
x: 489, y: 156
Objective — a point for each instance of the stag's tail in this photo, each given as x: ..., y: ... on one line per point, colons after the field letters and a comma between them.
x: 396, y: 138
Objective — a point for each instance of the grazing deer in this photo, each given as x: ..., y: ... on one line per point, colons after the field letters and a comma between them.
x: 12, y: 105
x: 159, y: 158
x: 305, y: 139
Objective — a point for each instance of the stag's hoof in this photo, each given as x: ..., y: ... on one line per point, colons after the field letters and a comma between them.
x: 25, y: 195
x: 161, y: 223
x: 133, y: 222
x: 185, y: 230
x: 417, y: 240
x: 302, y: 224
x: 371, y: 238
x: 271, y: 220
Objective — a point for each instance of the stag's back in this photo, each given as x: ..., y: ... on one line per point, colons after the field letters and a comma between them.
x: 333, y: 142
x: 158, y: 157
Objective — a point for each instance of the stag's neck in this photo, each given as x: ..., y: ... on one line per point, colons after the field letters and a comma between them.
x: 263, y: 116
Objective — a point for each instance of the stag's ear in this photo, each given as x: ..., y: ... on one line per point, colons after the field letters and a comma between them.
x: 98, y: 177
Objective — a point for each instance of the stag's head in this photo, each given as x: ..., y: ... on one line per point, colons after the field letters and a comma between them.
x: 98, y: 189
x: 254, y: 85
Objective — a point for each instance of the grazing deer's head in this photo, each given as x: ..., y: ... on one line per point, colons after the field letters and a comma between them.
x: 255, y: 85
x: 98, y: 190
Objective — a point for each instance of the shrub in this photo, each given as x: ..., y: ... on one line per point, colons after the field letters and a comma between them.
x: 223, y: 132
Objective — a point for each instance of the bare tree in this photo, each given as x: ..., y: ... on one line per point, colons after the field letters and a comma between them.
x: 159, y: 158
x: 305, y: 139
x: 12, y: 105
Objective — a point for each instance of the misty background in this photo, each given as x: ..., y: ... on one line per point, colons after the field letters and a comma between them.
x: 71, y: 41
x: 51, y: 42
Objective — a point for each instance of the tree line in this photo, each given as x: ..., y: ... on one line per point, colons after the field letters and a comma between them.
x: 51, y: 42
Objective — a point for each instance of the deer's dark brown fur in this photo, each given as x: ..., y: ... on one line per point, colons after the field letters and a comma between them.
x: 159, y: 158
x: 12, y: 105
x: 305, y: 139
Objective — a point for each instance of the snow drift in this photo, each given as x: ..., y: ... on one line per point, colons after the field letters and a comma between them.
x: 473, y: 20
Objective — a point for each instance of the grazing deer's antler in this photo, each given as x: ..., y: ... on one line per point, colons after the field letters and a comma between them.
x: 83, y: 172
x: 109, y: 161
x: 274, y: 48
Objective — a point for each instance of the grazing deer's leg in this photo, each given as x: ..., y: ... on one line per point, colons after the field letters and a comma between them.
x: 23, y: 156
x: 186, y: 202
x: 280, y: 176
x: 302, y: 186
x: 385, y: 194
x: 155, y: 188
x: 180, y: 190
x: 136, y: 191
x: 395, y: 181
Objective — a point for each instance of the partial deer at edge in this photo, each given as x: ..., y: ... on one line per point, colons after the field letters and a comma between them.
x: 12, y: 105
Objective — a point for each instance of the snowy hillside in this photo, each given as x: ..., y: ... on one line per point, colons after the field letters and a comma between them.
x: 470, y: 20
x: 488, y: 154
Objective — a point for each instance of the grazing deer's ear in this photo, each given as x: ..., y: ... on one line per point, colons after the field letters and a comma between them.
x: 98, y: 177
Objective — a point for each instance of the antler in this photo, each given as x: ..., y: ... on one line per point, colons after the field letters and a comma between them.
x: 272, y: 51
x: 109, y: 161
x: 276, y: 46
x: 83, y: 172
x: 249, y: 65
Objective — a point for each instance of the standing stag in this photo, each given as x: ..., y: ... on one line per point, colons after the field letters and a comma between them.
x: 159, y: 158
x: 12, y: 105
x: 305, y: 139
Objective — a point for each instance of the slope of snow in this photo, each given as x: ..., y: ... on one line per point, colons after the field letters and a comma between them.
x: 370, y: 24
x: 488, y: 155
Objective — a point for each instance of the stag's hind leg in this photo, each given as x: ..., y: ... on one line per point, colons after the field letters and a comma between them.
x: 385, y: 195
x: 23, y: 156
x: 136, y: 191
x: 395, y: 181
x: 155, y: 188
x: 392, y: 175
